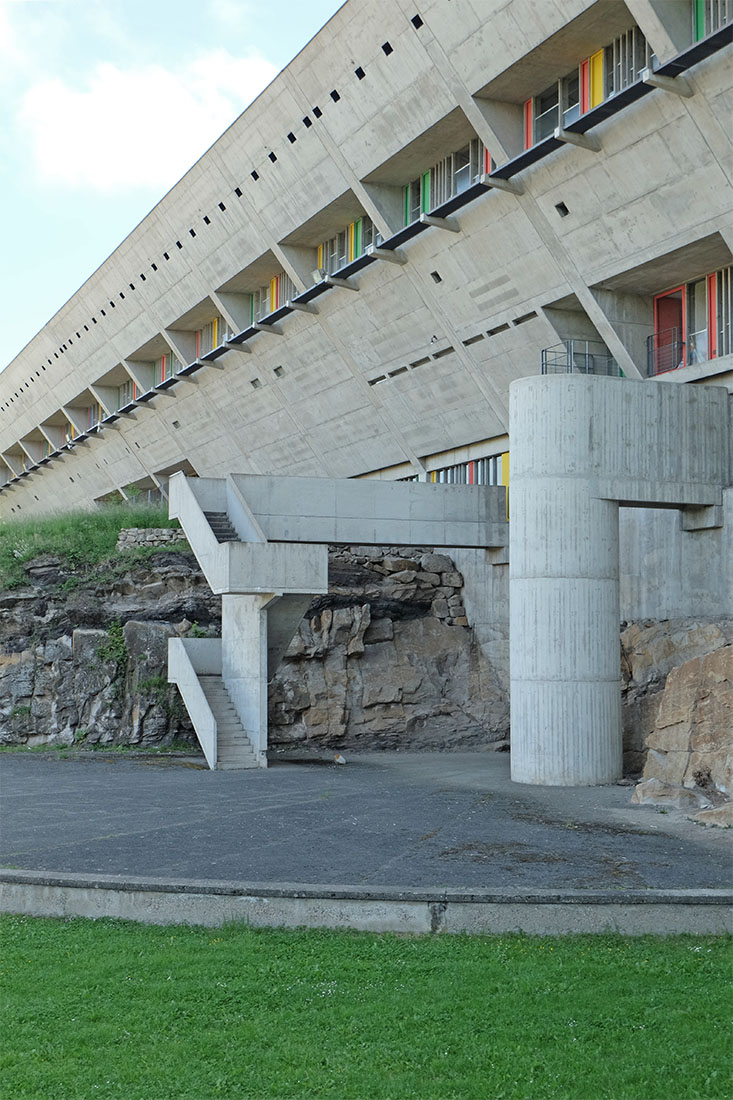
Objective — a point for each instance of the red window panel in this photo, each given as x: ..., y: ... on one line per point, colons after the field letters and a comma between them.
x: 584, y: 86
x: 712, y: 316
x: 669, y: 330
x: 472, y: 473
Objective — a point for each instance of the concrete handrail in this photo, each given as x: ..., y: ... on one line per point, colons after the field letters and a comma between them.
x: 184, y: 655
x: 187, y: 502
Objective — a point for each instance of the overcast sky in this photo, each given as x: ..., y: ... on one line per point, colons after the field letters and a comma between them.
x: 104, y: 104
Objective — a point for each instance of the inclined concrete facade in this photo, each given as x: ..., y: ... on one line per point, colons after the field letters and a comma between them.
x: 628, y: 444
x: 651, y: 208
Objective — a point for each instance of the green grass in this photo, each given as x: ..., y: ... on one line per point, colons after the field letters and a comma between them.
x: 113, y: 1009
x: 82, y: 539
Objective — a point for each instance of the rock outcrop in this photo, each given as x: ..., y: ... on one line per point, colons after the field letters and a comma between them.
x: 689, y: 760
x: 386, y: 659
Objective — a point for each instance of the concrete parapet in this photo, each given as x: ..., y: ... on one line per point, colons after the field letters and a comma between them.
x: 379, y: 909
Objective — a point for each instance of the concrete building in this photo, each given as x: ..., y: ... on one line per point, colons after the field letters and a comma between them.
x: 433, y: 201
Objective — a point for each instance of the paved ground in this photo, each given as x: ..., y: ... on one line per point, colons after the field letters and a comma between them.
x: 392, y: 819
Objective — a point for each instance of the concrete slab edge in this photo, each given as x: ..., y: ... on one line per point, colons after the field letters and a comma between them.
x: 415, y: 911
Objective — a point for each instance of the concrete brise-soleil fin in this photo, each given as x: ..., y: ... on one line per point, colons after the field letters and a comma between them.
x: 262, y: 543
x: 581, y: 447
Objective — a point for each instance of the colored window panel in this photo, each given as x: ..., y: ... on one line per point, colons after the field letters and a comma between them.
x: 669, y: 327
x: 596, y: 78
x: 425, y: 193
x: 584, y: 87
x: 696, y: 337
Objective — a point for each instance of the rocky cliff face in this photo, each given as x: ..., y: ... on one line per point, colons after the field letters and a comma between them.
x: 386, y: 659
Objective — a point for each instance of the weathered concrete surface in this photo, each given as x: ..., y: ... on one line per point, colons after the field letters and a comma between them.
x: 546, y: 913
x: 576, y: 457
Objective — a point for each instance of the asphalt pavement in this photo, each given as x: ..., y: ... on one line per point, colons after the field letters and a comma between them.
x: 441, y: 820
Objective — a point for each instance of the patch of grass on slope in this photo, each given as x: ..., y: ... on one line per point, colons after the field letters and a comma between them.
x: 112, y: 1009
x: 81, y: 538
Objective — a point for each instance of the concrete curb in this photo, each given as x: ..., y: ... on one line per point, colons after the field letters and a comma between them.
x: 379, y: 909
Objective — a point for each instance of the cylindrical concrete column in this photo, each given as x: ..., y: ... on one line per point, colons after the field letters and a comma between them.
x: 564, y: 592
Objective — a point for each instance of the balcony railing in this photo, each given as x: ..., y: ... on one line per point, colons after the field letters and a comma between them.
x: 579, y: 357
x: 665, y: 351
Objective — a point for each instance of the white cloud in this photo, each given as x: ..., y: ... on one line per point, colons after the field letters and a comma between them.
x: 136, y: 128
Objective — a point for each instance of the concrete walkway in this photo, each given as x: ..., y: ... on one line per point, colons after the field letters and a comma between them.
x: 384, y: 823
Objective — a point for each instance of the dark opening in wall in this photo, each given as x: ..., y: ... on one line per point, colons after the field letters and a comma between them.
x: 255, y: 383
x: 178, y: 244
x: 222, y: 206
x: 122, y: 294
x: 420, y: 362
x: 317, y: 112
x: 94, y: 320
x: 416, y: 22
x: 86, y: 329
x: 271, y: 156
x: 154, y: 267
x: 255, y: 176
x: 238, y: 192
x: 207, y: 219
x: 103, y: 313
x: 387, y: 48
x: 497, y: 330
x: 524, y: 318
x: 166, y: 256
x: 112, y: 304
x: 442, y: 352
x: 176, y: 423
x: 307, y: 122
x: 436, y: 277
x: 192, y: 232
x: 132, y: 287
x: 562, y: 209
x: 142, y: 277
x: 360, y: 74
x: 473, y: 340
x: 335, y: 96
x: 278, y: 372
x: 292, y: 138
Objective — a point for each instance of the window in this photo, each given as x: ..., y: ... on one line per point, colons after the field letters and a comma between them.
x: 347, y: 245
x: 481, y: 471
x: 709, y: 16
x: 213, y: 334
x: 126, y: 393
x: 266, y: 299
x: 166, y: 367
x: 449, y: 177
x: 692, y: 323
x: 605, y: 73
x: 94, y: 415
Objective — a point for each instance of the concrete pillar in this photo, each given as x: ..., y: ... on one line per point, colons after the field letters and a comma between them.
x: 564, y: 593
x: 244, y: 661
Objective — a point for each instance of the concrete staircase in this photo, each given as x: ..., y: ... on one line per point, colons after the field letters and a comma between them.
x: 233, y: 747
x: 221, y: 525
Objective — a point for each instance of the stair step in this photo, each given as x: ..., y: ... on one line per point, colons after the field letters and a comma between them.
x: 222, y: 527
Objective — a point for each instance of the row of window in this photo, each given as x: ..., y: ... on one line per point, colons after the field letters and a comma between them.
x: 449, y: 177
x: 349, y: 244
x: 493, y: 470
x: 603, y: 74
x: 692, y: 323
x: 271, y: 296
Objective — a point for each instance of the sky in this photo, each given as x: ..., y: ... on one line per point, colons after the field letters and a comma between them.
x: 104, y: 105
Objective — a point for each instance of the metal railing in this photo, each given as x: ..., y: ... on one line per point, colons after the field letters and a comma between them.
x: 665, y: 351
x: 579, y: 357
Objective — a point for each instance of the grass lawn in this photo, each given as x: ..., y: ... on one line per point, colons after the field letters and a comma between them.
x: 113, y: 1009
x: 81, y: 538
